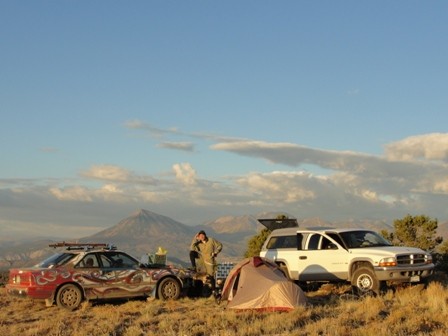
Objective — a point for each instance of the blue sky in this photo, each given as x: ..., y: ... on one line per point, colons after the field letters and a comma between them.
x: 201, y: 109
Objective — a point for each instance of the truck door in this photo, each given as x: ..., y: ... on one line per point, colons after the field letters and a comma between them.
x: 322, y: 260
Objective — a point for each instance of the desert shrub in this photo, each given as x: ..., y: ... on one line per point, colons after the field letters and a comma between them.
x: 416, y: 231
x: 4, y: 275
x: 255, y: 243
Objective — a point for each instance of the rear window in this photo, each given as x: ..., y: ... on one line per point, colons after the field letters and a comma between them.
x: 57, y: 259
x: 284, y: 242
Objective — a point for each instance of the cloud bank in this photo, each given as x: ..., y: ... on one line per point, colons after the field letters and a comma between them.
x: 411, y: 177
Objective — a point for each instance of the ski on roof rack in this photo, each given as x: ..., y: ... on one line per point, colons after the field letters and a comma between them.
x: 83, y: 246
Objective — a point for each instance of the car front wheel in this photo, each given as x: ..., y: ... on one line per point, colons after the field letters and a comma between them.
x: 169, y: 289
x: 365, y: 281
x: 69, y: 297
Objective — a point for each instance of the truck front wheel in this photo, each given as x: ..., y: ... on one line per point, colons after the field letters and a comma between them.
x: 365, y: 281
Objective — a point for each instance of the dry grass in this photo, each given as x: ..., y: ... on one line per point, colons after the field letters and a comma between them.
x: 408, y: 311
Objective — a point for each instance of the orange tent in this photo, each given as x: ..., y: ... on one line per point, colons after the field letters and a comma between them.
x: 257, y: 283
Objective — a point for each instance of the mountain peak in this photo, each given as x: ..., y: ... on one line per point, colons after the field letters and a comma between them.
x: 142, y: 213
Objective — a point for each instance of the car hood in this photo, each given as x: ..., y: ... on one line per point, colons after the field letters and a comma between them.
x: 387, y: 250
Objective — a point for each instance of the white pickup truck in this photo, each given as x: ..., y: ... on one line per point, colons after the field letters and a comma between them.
x: 362, y: 257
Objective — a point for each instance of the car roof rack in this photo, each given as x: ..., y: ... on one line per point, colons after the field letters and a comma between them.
x: 83, y: 246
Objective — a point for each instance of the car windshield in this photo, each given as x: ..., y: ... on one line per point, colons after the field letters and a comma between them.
x: 362, y: 239
x: 57, y: 259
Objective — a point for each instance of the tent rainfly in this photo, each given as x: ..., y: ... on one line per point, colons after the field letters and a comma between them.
x: 258, y: 284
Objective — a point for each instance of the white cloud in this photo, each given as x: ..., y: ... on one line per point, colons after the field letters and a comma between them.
x: 152, y: 130
x: 152, y: 196
x: 369, y: 194
x: 185, y: 173
x: 295, y: 155
x: 107, y: 172
x: 111, y: 188
x: 112, y: 173
x: 373, y: 172
x: 429, y: 146
x: 183, y: 146
x: 286, y: 187
x: 76, y: 193
x: 411, y: 177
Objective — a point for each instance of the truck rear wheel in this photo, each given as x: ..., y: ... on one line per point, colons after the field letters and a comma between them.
x: 364, y: 281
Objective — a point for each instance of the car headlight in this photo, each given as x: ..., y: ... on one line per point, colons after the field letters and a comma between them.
x: 428, y: 259
x: 388, y: 262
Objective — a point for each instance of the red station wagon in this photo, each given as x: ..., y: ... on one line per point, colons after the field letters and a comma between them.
x: 95, y: 271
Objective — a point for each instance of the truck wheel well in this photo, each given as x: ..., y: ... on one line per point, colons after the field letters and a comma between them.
x: 282, y: 266
x: 359, y: 264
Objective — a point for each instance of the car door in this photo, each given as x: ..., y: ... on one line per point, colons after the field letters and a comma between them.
x: 320, y: 255
x: 106, y: 276
x: 129, y: 279
x: 92, y: 276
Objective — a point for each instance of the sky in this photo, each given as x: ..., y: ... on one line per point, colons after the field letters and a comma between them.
x: 201, y: 109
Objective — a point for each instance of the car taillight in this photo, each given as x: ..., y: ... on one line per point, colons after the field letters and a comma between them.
x: 22, y: 278
x: 388, y: 262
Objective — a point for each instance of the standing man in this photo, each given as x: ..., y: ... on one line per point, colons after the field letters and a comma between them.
x: 194, y: 253
x: 206, y: 249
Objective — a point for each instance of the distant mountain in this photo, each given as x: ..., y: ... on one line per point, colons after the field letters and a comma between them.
x: 25, y: 252
x: 232, y: 224
x: 140, y: 233
x: 144, y: 231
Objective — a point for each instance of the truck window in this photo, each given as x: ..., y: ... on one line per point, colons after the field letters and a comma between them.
x: 282, y: 242
x: 337, y: 238
x: 319, y: 242
x: 313, y: 243
x: 327, y: 244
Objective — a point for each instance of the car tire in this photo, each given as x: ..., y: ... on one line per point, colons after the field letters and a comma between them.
x: 169, y: 289
x: 364, y: 281
x: 69, y: 296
